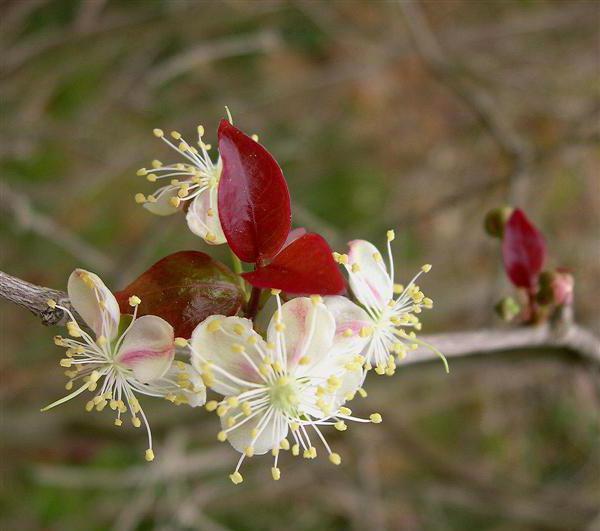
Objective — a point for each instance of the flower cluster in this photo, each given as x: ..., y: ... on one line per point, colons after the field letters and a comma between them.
x: 284, y: 344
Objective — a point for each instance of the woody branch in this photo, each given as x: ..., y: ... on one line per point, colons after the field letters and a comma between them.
x: 561, y: 333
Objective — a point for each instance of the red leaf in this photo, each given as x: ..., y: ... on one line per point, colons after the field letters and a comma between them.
x: 254, y: 201
x: 184, y: 288
x: 305, y: 266
x: 523, y: 250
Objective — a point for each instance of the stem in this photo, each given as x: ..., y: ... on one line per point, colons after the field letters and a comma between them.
x: 238, y: 270
x: 252, y: 306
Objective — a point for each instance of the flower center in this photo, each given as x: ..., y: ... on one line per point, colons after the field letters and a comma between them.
x: 284, y: 394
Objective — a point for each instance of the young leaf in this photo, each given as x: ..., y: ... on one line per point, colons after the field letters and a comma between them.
x: 184, y: 288
x: 305, y: 266
x: 523, y: 250
x: 254, y: 201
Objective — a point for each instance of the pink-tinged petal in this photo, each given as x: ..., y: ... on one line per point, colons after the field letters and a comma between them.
x: 148, y: 348
x: 369, y: 280
x: 350, y: 319
x: 233, y: 348
x: 162, y: 206
x: 243, y: 436
x: 203, y: 217
x: 308, y: 332
x: 94, y: 302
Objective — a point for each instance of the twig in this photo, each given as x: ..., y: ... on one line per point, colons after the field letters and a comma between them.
x: 560, y: 334
x: 28, y: 218
x: 517, y: 149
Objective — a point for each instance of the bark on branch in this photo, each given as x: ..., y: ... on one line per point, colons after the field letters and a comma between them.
x: 560, y: 334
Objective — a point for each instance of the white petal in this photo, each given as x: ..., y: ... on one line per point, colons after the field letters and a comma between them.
x: 185, y: 382
x: 309, y: 331
x: 148, y: 348
x: 371, y: 282
x: 275, y: 430
x: 217, y: 340
x: 94, y: 302
x: 349, y: 319
x: 203, y: 217
x: 162, y: 206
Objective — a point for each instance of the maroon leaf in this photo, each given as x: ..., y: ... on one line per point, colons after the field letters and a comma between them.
x: 523, y: 250
x: 305, y: 266
x: 184, y: 288
x: 254, y: 201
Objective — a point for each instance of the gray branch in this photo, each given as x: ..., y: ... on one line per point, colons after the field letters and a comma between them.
x: 562, y: 333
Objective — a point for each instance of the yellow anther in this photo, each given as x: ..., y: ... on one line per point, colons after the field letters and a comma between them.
x: 355, y: 268
x: 151, y: 177
x: 66, y: 362
x: 139, y: 198
x: 58, y: 341
x: 69, y: 386
x: 141, y: 172
x: 343, y: 259
x: 390, y: 235
x: 156, y: 164
x: 284, y: 444
x: 304, y: 360
x: 233, y: 401
x: 230, y: 422
x: 151, y: 199
x: 176, y: 135
x: 136, y: 421
x: 183, y: 147
x: 210, y: 212
x: 222, y: 410
x: 236, y: 478
x: 254, y: 137
x: 149, y: 455
x: 345, y: 411
x: 238, y: 329
x: 158, y: 133
x: 200, y: 131
x: 236, y: 347
x: 426, y: 268
x: 276, y: 473
x: 89, y: 405
x: 362, y: 393
x: 246, y: 409
x: 316, y: 299
x: 280, y: 327
x: 365, y: 331
x: 277, y: 366
x: 334, y: 382
x: 375, y: 418
x: 249, y: 451
x: 175, y: 182
x: 398, y: 288
x: 296, y: 450
x: 335, y: 458
x: 211, y: 236
x: 51, y: 303
x: 181, y: 341
x: 213, y: 326
x: 380, y: 369
x: 264, y: 369
x: 390, y: 371
x: 252, y: 340
x: 211, y: 405
x: 175, y: 201
x: 340, y: 425
x: 118, y: 422
x: 134, y: 300
x: 183, y: 191
x: 348, y: 332
x: 222, y: 436
x: 294, y: 426
x: 306, y: 454
x: 377, y: 257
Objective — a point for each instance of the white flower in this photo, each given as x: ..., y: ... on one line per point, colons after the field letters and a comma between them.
x: 196, y: 181
x: 388, y: 308
x: 296, y: 381
x: 118, y: 364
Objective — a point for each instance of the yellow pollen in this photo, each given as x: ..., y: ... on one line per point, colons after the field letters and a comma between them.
x: 51, y: 303
x: 236, y: 347
x: 140, y: 198
x: 213, y: 326
x: 181, y: 342
x: 238, y: 329
x: 151, y: 199
x: 222, y: 436
x: 426, y: 268
x: 118, y: 422
x: 355, y: 268
x: 316, y: 299
x: 176, y: 135
x: 340, y: 425
x: 345, y: 411
x: 175, y: 201
x: 398, y: 288
x: 365, y: 331
x: 149, y: 455
x: 151, y: 177
x: 236, y: 478
x: 377, y: 257
x: 249, y: 451
x: 362, y: 393
x: 296, y: 449
x: 158, y: 133
x: 390, y: 235
x: 280, y: 327
x: 375, y: 418
x: 136, y: 422
x: 141, y: 172
x: 233, y: 401
x: 335, y: 458
x: 134, y: 300
x: 211, y: 405
x: 284, y: 444
x: 276, y: 473
x: 304, y: 360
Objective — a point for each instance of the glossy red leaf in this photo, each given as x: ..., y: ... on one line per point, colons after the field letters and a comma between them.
x: 254, y: 201
x: 305, y: 266
x: 523, y: 250
x: 184, y: 288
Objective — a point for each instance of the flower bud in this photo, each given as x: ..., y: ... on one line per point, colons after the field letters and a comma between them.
x: 555, y: 287
x: 507, y: 309
x: 495, y: 220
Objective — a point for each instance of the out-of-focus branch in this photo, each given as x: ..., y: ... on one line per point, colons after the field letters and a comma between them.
x: 559, y: 334
x: 28, y: 218
x: 452, y: 75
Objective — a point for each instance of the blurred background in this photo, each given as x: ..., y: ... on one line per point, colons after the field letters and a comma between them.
x: 418, y: 116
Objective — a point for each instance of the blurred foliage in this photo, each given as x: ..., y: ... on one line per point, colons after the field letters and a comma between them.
x: 368, y: 139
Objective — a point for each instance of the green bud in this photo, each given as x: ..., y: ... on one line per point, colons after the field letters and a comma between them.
x: 507, y: 309
x: 495, y: 220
